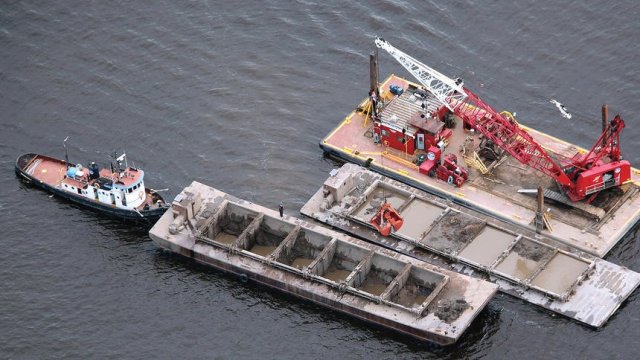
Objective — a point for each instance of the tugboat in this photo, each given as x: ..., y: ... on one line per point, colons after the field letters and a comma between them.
x: 118, y: 191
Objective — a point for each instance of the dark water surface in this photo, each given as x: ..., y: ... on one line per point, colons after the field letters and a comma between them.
x: 237, y: 95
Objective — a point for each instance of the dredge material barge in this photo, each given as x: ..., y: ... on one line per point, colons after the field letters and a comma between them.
x: 535, y: 268
x: 317, y: 264
x: 118, y: 191
x: 438, y: 136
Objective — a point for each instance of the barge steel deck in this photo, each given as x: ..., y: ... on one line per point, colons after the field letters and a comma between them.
x: 538, y: 269
x: 320, y: 265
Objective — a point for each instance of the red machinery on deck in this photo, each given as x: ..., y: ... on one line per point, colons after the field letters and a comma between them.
x: 446, y: 170
x: 385, y: 219
x: 582, y: 175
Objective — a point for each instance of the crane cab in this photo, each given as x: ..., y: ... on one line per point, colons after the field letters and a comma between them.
x: 601, y: 177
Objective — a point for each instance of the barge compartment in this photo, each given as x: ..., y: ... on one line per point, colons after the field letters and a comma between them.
x: 537, y: 269
x: 317, y: 264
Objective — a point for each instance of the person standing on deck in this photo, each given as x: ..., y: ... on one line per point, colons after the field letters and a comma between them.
x: 374, y: 103
x: 281, y: 209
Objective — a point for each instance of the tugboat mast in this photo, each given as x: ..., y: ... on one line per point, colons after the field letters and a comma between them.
x: 66, y: 153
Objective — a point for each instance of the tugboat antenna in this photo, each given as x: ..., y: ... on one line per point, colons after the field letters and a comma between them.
x: 66, y: 153
x: 114, y: 162
x: 119, y: 160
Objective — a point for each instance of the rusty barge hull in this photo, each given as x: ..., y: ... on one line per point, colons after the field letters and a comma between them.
x: 592, y: 229
x: 537, y: 269
x: 317, y: 264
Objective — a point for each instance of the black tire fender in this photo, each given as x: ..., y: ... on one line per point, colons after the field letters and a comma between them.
x: 243, y: 278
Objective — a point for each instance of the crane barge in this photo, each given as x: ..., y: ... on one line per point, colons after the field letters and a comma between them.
x: 439, y: 136
x: 579, y: 176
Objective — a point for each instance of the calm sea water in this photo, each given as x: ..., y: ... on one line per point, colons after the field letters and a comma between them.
x: 237, y: 95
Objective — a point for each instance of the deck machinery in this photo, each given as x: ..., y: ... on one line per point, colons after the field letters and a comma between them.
x: 410, y: 131
x: 580, y: 176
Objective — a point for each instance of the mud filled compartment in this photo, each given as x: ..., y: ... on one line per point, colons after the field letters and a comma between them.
x: 524, y: 259
x: 225, y: 226
x: 487, y: 246
x: 300, y: 248
x: 419, y: 289
x: 453, y: 232
x: 376, y: 275
x: 561, y: 274
x: 339, y: 260
x: 376, y: 195
x: 419, y: 215
x: 264, y: 235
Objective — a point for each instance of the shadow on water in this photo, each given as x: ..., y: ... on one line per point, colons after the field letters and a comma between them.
x: 627, y: 250
x: 332, y: 159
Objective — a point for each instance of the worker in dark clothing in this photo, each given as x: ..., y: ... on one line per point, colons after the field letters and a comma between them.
x: 281, y: 209
x: 374, y: 103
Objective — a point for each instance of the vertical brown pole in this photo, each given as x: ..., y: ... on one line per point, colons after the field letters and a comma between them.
x: 539, y: 220
x: 373, y: 72
x: 605, y: 117
x: 540, y: 199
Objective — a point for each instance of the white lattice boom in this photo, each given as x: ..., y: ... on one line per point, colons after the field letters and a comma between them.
x: 441, y: 86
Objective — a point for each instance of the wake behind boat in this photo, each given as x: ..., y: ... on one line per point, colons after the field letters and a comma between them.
x: 118, y: 191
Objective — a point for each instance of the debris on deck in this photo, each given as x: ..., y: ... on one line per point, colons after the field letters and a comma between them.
x: 536, y: 268
x: 321, y: 265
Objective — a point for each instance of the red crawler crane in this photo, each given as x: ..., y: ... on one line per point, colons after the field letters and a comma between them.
x: 583, y: 174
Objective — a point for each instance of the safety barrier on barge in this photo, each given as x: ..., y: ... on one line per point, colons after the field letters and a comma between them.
x: 537, y: 269
x: 317, y: 264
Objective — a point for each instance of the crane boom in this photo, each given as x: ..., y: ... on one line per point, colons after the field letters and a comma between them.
x: 578, y: 176
x: 475, y: 112
x: 608, y: 144
x: 445, y: 89
x: 509, y: 136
